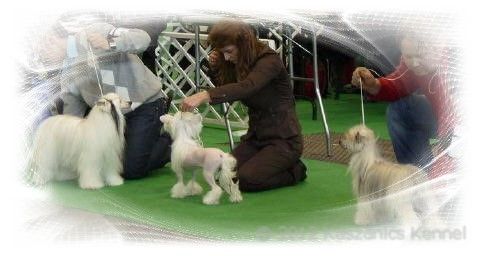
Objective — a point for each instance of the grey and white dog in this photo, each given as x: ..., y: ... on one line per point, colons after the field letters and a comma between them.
x: 386, y: 191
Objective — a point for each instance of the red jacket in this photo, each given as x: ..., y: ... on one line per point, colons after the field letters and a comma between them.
x: 403, y: 82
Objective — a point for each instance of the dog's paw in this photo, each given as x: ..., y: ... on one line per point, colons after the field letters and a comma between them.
x: 212, y: 197
x: 433, y: 222
x: 361, y: 219
x: 90, y: 180
x: 411, y: 222
x: 210, y: 201
x: 38, y: 180
x: 114, y: 180
x: 178, y: 191
x: 193, y: 188
x: 361, y: 222
x: 407, y: 217
x: 237, y: 198
x: 91, y: 185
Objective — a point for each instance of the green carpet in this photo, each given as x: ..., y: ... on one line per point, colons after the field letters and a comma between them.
x: 342, y: 114
x: 305, y: 206
x: 324, y: 201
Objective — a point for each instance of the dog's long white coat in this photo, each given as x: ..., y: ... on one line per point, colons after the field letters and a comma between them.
x: 68, y: 147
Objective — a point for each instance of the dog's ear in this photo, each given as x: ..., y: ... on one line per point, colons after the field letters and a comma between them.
x: 191, y: 117
x: 197, y: 118
x: 103, y: 104
x: 125, y: 104
x: 166, y: 119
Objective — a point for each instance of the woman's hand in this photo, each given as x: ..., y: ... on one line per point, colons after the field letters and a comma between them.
x: 214, y: 59
x: 193, y: 101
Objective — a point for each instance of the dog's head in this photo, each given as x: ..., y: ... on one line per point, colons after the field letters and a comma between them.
x: 112, y: 101
x: 113, y: 104
x: 357, y: 138
x: 167, y: 120
x: 186, y: 123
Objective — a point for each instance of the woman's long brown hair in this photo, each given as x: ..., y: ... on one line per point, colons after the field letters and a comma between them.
x: 240, y: 34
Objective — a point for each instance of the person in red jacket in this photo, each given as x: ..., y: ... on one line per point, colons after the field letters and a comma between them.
x: 422, y: 106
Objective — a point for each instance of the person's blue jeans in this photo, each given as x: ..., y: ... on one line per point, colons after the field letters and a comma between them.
x: 146, y: 149
x: 411, y: 124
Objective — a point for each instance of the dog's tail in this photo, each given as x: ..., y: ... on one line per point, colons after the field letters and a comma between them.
x: 227, y: 173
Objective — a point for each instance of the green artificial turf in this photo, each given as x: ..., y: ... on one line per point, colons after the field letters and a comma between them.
x: 323, y: 202
x: 306, y: 207
x: 342, y: 114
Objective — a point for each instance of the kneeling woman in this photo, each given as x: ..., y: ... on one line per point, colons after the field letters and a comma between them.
x: 246, y: 69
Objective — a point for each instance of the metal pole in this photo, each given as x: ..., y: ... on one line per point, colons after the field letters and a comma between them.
x: 291, y: 59
x: 318, y: 93
x: 296, y: 43
x: 225, y: 108
x: 197, y: 58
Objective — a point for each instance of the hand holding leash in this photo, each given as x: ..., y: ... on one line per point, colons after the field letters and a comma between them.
x: 193, y: 101
x: 369, y: 82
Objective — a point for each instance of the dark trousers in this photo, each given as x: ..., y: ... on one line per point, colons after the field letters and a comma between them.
x: 411, y: 123
x: 145, y: 148
x: 263, y: 165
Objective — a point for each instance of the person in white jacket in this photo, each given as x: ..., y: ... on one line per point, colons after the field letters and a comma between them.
x: 102, y: 58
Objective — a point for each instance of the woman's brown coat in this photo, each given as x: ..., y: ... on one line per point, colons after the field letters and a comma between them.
x: 268, y: 156
x: 267, y: 93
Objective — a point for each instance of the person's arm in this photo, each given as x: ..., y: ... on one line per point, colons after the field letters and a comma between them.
x: 265, y: 69
x: 107, y: 37
x: 396, y: 85
x: 73, y: 104
x: 263, y: 72
x: 72, y: 78
x: 369, y: 83
x: 390, y: 88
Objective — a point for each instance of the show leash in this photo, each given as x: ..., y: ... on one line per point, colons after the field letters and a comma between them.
x: 94, y: 60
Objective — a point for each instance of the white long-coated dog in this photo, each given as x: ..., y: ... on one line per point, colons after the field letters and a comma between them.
x: 91, y: 149
x: 188, y: 153
x: 385, y: 191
